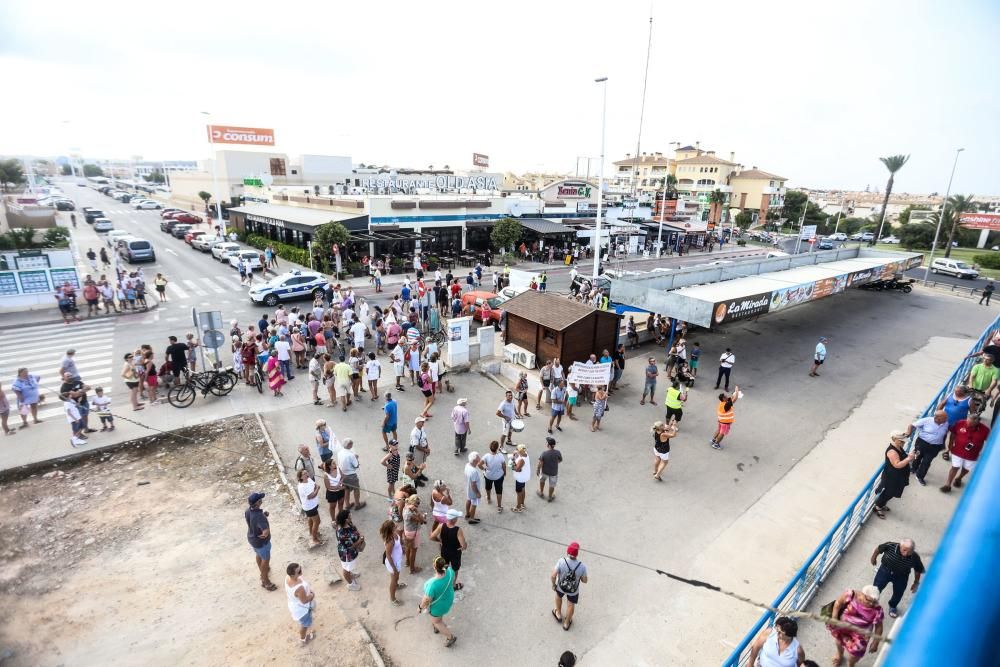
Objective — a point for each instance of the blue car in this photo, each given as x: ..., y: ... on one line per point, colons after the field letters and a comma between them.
x: 289, y: 286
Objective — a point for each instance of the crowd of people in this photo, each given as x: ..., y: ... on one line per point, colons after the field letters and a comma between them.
x: 122, y: 292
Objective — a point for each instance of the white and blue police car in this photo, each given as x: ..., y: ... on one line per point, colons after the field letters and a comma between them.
x: 289, y: 286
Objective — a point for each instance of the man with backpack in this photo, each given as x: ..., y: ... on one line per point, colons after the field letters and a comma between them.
x: 567, y: 576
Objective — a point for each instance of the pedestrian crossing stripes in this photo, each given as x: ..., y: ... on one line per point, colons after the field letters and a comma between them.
x: 40, y: 349
x: 185, y: 288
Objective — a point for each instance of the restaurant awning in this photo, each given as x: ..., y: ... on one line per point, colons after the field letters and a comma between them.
x: 400, y: 235
x: 545, y: 227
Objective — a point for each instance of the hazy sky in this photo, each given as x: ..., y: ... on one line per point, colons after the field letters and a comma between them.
x: 812, y: 91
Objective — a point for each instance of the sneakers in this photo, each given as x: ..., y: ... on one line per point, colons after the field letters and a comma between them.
x: 77, y: 442
x: 716, y: 445
x: 920, y: 480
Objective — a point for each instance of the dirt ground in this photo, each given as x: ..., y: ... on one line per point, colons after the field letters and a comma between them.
x: 140, y: 558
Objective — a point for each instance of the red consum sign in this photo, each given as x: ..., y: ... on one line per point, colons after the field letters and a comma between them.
x: 990, y: 221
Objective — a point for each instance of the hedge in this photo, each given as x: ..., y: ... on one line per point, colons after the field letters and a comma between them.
x: 987, y: 261
x: 285, y: 251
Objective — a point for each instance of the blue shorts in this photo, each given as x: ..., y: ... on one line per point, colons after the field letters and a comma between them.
x: 307, y: 620
x: 263, y: 552
x: 556, y: 412
x: 388, y: 428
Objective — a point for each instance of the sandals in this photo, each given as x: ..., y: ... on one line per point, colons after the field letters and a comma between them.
x: 556, y: 616
x: 567, y: 625
x: 499, y: 510
x: 459, y: 587
x: 269, y: 586
x: 540, y: 494
x: 879, y: 512
x: 451, y: 642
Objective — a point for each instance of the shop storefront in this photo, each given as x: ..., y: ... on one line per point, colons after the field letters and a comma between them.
x: 288, y: 224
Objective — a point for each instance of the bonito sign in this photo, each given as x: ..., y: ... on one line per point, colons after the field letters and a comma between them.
x: 253, y: 136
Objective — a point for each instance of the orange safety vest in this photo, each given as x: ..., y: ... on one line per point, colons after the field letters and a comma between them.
x: 726, y: 416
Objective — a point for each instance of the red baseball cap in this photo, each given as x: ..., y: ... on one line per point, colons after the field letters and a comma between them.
x: 573, y: 549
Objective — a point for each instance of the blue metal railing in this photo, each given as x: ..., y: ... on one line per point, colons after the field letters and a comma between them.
x: 800, y: 590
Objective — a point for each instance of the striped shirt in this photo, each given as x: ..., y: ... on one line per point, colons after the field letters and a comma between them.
x: 894, y: 561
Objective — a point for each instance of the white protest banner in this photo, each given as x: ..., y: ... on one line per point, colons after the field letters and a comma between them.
x: 593, y: 374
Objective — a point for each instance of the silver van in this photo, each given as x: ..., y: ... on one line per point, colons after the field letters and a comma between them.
x: 133, y: 249
x: 954, y: 267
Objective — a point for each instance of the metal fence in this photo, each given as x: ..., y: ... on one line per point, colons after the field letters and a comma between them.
x: 795, y: 596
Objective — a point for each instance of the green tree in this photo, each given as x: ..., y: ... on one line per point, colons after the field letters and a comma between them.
x: 795, y: 200
x: 56, y: 237
x: 717, y: 198
x: 11, y: 173
x: 506, y: 233
x: 957, y: 205
x: 92, y: 170
x: 22, y: 237
x: 918, y: 235
x: 326, y: 236
x: 155, y: 176
x: 893, y: 163
x: 904, y: 217
x: 744, y: 220
x: 204, y: 196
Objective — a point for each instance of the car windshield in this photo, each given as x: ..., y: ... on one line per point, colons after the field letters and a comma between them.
x: 139, y: 245
x: 495, y: 302
x: 962, y: 265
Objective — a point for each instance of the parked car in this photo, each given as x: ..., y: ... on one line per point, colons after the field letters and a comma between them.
x: 103, y: 225
x: 825, y: 244
x: 205, y: 242
x: 64, y: 205
x: 114, y: 235
x: 133, y: 249
x: 180, y: 230
x: 193, y: 234
x: 863, y: 236
x: 148, y: 204
x: 167, y: 225
x: 839, y: 236
x: 91, y: 214
x: 243, y: 256
x: 222, y: 251
x: 954, y: 267
x: 189, y: 218
x: 478, y: 299
x: 288, y: 286
x: 889, y: 239
x: 165, y: 213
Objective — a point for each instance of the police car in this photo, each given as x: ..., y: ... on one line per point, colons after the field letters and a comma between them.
x: 288, y: 286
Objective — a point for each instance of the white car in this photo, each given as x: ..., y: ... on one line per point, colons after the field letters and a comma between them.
x: 253, y: 256
x: 205, y: 242
x: 116, y: 234
x: 889, y: 239
x: 222, y: 251
x: 839, y: 236
x: 954, y: 267
x: 103, y: 225
x: 148, y: 203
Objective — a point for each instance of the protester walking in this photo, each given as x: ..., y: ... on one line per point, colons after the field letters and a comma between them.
x: 548, y: 468
x: 566, y: 578
x: 393, y: 557
x: 726, y: 362
x: 461, y: 424
x: 652, y: 372
x: 777, y: 646
x: 439, y: 595
x: 600, y: 407
x: 259, y: 537
x: 931, y: 434
x: 301, y: 602
x: 558, y: 405
x: 473, y: 487
x: 449, y: 534
x: 895, y: 473
x: 987, y: 293
x: 898, y: 558
x: 350, y: 543
x: 662, y: 434
x: 967, y: 440
x: 819, y: 356
x: 521, y: 466
x: 861, y: 610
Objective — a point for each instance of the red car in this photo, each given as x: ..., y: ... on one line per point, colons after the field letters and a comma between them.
x: 187, y: 218
x: 192, y: 235
x: 478, y: 298
x: 167, y: 212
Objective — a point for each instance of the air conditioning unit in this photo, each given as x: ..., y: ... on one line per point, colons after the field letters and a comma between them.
x: 526, y: 359
x: 511, y: 352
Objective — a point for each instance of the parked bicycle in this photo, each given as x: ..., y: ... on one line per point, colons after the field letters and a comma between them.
x: 215, y: 381
x: 257, y: 378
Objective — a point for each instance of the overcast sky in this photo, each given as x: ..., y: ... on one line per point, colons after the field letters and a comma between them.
x: 815, y: 92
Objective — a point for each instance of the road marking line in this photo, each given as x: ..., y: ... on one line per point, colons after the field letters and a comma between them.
x: 171, y: 251
x: 215, y: 288
x: 194, y: 287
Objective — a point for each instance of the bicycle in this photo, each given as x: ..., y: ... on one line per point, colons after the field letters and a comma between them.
x: 217, y: 382
x: 257, y: 378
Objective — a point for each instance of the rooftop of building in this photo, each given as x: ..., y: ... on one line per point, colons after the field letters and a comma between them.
x: 645, y: 159
x: 705, y: 159
x: 759, y: 174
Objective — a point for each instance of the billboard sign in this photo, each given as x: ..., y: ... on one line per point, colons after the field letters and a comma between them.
x: 808, y: 232
x: 990, y: 221
x: 480, y: 160
x: 573, y: 191
x: 741, y: 308
x: 251, y: 136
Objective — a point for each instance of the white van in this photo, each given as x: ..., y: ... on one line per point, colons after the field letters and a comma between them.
x: 954, y: 267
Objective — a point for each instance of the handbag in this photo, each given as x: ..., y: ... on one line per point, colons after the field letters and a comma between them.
x: 827, y: 609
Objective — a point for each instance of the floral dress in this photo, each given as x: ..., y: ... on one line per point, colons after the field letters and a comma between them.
x: 600, y: 405
x: 392, y: 468
x: 860, y: 616
x: 347, y: 537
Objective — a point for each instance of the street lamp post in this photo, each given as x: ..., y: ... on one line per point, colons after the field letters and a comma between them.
x: 600, y: 176
x: 944, y: 207
x: 215, y: 182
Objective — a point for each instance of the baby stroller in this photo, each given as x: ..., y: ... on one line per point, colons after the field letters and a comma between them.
x: 683, y: 373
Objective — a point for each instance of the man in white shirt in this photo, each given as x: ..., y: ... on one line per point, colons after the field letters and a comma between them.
x: 284, y: 350
x: 316, y: 376
x: 819, y: 356
x: 473, y: 487
x: 347, y: 462
x: 419, y: 446
x: 726, y: 362
x: 358, y: 331
x: 931, y: 434
x: 506, y: 412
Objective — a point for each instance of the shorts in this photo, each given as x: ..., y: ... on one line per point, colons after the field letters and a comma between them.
x: 519, y: 486
x: 334, y: 496
x: 65, y: 309
x: 504, y: 427
x: 558, y: 413
x: 663, y: 456
x: 724, y: 428
x: 264, y: 552
x: 325, y: 456
x: 521, y: 396
x: 495, y: 483
x: 313, y: 512
x: 818, y: 362
x: 355, y: 376
x: 693, y: 364
x: 546, y: 383
x: 307, y: 620
x: 389, y: 428
x: 455, y: 560
x: 91, y: 302
x: 342, y: 388
x: 152, y: 380
x: 551, y: 479
x: 617, y: 375
x: 460, y: 441
x: 107, y: 419
x: 649, y: 388
x: 427, y: 392
x: 676, y: 413
x: 474, y: 502
x: 352, y: 482
x: 131, y: 384
x: 958, y: 462
x: 571, y: 401
x: 413, y: 536
x: 574, y: 598
x: 349, y: 565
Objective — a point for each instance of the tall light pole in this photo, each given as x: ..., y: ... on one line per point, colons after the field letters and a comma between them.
x: 215, y: 180
x: 944, y: 207
x: 600, y: 175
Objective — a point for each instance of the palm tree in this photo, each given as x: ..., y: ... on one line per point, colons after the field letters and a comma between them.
x: 716, y: 198
x: 957, y: 205
x: 893, y: 163
x: 671, y: 183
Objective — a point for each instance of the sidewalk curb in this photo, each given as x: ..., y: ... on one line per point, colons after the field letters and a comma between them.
x: 59, y: 320
x: 277, y: 459
x: 372, y: 648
